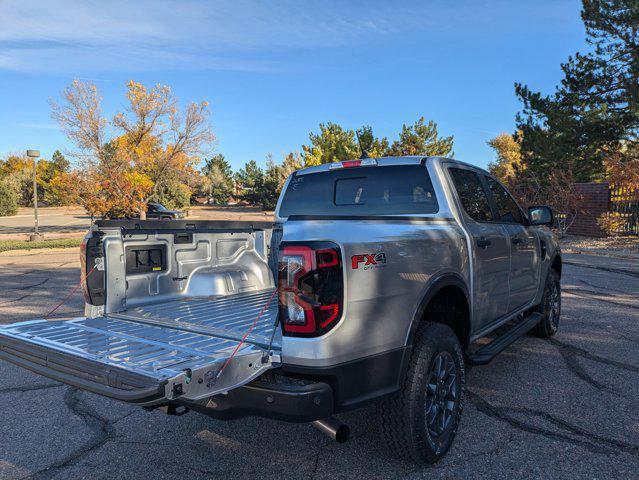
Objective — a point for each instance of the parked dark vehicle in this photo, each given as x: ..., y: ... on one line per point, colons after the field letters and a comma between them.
x: 160, y: 212
x: 374, y: 285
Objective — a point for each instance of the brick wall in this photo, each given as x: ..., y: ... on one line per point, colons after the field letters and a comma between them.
x: 596, y: 200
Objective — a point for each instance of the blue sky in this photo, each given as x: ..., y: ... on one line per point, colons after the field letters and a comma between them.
x: 272, y: 71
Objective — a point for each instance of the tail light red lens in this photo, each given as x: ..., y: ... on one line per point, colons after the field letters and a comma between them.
x: 310, y: 288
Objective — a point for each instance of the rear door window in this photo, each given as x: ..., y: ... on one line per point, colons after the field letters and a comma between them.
x: 508, y: 210
x: 471, y: 194
x: 396, y: 190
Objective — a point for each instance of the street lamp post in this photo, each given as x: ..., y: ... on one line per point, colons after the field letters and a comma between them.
x: 36, y: 235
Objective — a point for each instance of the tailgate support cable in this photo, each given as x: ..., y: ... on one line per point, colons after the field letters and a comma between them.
x: 246, y: 334
x: 73, y: 290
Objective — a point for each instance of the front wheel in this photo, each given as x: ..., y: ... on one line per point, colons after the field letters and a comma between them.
x: 550, y: 307
x: 419, y: 422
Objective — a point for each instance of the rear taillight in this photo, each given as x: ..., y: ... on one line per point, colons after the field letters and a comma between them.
x: 83, y: 269
x: 92, y: 276
x: 310, y: 288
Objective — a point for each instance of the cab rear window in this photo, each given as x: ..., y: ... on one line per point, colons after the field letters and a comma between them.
x: 396, y: 190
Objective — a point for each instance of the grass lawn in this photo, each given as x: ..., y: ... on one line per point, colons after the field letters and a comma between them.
x: 6, y: 245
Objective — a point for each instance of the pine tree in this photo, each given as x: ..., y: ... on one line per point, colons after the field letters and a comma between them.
x: 422, y: 138
x: 595, y: 109
x: 250, y: 180
x: 332, y: 144
x: 220, y: 176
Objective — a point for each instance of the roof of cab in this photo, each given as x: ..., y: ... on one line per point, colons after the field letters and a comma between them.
x: 387, y: 161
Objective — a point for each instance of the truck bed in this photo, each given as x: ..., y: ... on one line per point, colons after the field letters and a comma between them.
x: 226, y: 317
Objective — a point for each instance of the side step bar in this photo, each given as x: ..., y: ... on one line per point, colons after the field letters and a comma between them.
x: 485, y: 354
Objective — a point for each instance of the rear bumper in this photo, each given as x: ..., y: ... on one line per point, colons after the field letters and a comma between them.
x: 82, y: 373
x: 272, y: 396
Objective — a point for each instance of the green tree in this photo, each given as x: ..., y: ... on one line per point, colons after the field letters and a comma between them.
x: 250, y: 180
x: 421, y: 138
x: 8, y: 198
x: 292, y: 161
x: 173, y: 194
x: 332, y: 144
x: 595, y: 109
x: 220, y: 176
x: 60, y: 163
x: 274, y: 178
x: 17, y: 170
x: 369, y: 143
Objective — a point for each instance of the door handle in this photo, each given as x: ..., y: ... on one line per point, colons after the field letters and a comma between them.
x: 516, y: 241
x: 483, y: 242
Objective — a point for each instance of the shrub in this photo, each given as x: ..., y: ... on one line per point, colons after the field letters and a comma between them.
x: 612, y: 222
x: 8, y: 199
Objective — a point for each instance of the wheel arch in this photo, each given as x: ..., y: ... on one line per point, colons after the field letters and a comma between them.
x: 556, y: 264
x: 449, y: 287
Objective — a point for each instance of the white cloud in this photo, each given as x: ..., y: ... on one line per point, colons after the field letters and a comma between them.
x: 72, y: 35
x: 79, y: 36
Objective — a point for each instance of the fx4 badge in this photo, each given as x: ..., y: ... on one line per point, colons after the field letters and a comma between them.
x: 368, y: 261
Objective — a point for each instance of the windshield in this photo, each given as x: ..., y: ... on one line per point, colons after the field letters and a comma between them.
x: 157, y: 207
x: 396, y: 190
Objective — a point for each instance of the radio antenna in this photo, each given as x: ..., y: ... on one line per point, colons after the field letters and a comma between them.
x: 364, y: 152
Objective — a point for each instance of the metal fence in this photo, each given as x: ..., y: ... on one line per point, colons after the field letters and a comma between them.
x: 625, y: 203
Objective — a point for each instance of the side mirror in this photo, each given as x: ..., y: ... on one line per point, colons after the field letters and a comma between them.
x: 541, y: 215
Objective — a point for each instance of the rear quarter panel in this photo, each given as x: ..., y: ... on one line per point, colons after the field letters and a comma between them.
x: 380, y: 299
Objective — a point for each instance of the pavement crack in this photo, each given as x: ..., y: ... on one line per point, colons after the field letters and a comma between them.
x: 122, y: 441
x: 102, y: 429
x: 132, y: 412
x: 17, y: 299
x: 605, y: 269
x: 318, y: 454
x: 30, y: 388
x: 26, y: 273
x: 30, y: 286
x: 591, y: 295
x: 591, y: 356
x: 576, y: 435
x: 590, y: 284
x: 572, y: 363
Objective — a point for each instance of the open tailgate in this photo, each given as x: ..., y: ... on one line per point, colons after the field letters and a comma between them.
x: 156, y: 353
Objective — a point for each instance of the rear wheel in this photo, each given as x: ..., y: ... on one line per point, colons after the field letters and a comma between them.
x: 419, y: 423
x: 550, y: 307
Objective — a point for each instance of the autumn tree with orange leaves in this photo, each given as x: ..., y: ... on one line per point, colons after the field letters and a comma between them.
x: 150, y: 147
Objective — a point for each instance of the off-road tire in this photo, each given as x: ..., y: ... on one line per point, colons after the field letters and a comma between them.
x: 550, y: 307
x: 403, y: 417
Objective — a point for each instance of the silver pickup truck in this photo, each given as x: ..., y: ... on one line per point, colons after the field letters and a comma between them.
x: 378, y: 282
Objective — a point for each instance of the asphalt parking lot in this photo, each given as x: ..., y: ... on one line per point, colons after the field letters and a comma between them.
x: 74, y: 220
x: 565, y: 408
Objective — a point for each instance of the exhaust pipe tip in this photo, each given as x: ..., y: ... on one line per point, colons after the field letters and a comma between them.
x: 343, y: 433
x: 335, y: 429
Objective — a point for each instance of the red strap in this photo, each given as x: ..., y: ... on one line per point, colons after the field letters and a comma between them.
x: 70, y: 293
x: 248, y: 332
